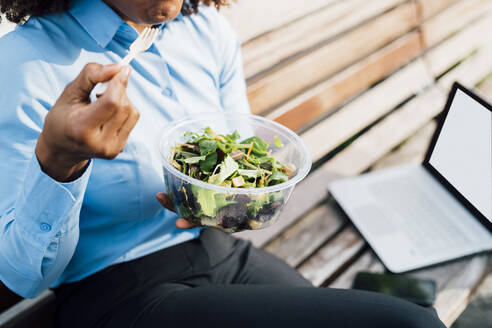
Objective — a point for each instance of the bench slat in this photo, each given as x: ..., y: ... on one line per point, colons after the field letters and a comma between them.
x: 412, y: 151
x: 453, y: 19
x: 456, y: 282
x: 305, y: 236
x: 367, y: 262
x: 388, y: 134
x: 367, y: 108
x: 266, y: 51
x: 323, y: 98
x: 304, y: 72
x: 254, y: 17
x: 431, y: 8
x: 332, y: 258
x: 471, y: 71
x: 459, y: 46
x: 485, y: 88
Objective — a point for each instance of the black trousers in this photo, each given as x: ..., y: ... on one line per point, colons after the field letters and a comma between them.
x: 220, y: 281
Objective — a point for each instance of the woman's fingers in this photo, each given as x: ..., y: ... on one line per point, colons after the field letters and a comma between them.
x: 112, y: 101
x: 127, y: 126
x: 165, y: 201
x: 80, y: 89
x: 184, y: 224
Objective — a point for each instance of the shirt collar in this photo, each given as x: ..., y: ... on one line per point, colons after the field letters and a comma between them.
x: 97, y: 19
x: 100, y: 21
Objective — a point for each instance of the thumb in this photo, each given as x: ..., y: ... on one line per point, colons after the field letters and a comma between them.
x: 91, y: 75
x: 117, y: 86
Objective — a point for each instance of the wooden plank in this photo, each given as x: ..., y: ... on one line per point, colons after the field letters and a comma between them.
x: 470, y: 71
x: 308, y: 234
x: 306, y: 71
x: 453, y: 19
x: 485, y: 88
x: 388, y: 134
x: 326, y: 96
x: 433, y: 7
x: 267, y: 50
x: 305, y: 197
x: 367, y: 108
x: 254, y: 17
x: 333, y: 257
x: 451, y: 51
x: 412, y: 151
x: 456, y: 282
x: 367, y: 262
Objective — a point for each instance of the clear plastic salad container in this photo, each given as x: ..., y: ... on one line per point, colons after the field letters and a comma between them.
x: 227, y: 208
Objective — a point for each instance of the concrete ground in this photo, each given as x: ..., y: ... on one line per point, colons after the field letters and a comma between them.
x: 478, y: 314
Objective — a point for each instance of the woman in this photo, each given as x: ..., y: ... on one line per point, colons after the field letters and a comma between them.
x: 77, y: 206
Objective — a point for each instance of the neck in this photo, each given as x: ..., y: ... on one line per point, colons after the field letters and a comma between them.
x: 138, y: 26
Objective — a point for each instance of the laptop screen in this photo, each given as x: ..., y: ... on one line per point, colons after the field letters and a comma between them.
x: 463, y: 151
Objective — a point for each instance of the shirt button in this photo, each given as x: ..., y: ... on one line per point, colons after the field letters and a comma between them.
x: 167, y: 92
x: 45, y: 227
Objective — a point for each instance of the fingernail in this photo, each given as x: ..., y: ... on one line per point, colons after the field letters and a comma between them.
x: 126, y: 71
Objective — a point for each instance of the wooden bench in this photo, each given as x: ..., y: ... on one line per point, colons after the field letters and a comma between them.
x: 361, y: 82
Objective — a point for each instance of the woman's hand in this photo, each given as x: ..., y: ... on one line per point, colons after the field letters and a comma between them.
x: 76, y: 130
x: 167, y: 203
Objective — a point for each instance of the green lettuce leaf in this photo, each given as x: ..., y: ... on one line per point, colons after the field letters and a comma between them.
x: 227, y: 168
x: 278, y: 176
x: 210, y: 201
x: 249, y: 173
x: 194, y: 160
x: 277, y: 142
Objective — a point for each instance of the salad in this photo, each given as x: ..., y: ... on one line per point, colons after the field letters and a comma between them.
x: 228, y: 161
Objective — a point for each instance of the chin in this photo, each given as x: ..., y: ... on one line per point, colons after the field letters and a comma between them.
x: 162, y: 14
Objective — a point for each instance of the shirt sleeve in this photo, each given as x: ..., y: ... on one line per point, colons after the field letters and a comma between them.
x: 232, y: 83
x: 38, y: 215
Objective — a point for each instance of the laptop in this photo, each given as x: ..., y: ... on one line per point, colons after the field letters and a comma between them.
x: 415, y: 216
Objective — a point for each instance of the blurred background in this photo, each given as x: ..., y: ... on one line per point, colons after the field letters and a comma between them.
x: 362, y: 83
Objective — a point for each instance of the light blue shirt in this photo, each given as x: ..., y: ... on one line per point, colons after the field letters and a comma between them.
x: 51, y: 232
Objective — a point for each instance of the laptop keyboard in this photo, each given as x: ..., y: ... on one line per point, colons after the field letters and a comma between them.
x: 427, y: 226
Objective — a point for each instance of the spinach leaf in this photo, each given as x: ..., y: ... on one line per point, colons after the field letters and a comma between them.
x: 260, y: 146
x: 209, y: 163
x: 207, y: 147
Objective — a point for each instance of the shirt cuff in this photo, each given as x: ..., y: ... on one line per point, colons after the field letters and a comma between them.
x: 47, y: 208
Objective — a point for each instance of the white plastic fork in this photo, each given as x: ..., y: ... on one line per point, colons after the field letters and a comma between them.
x: 141, y: 44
